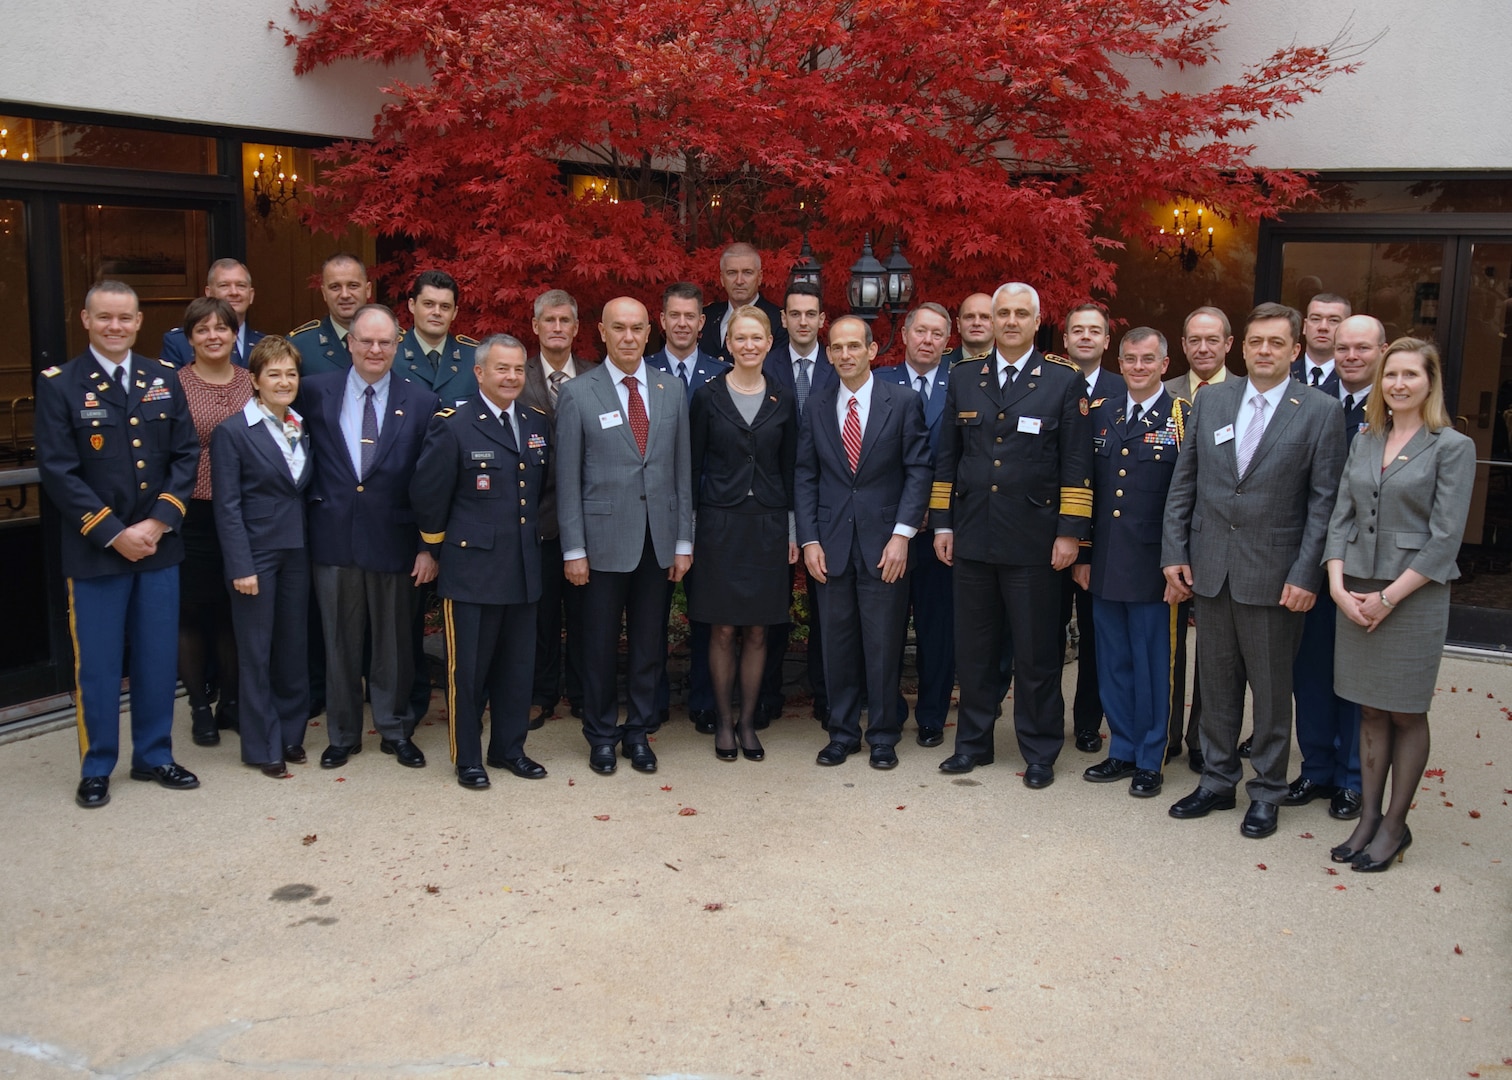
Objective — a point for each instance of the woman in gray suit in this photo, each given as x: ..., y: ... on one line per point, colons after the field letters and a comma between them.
x: 261, y: 462
x: 1390, y: 556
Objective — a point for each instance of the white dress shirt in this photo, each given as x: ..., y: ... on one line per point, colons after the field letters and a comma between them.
x: 352, y: 402
x: 1004, y: 364
x: 110, y: 366
x: 514, y: 419
x: 1309, y: 363
x: 863, y: 398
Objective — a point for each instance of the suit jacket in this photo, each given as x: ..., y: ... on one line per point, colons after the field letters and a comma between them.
x: 109, y: 460
x: 1300, y: 373
x: 1410, y: 517
x: 1014, y: 471
x: 712, y: 343
x: 259, y: 506
x: 731, y: 458
x: 178, y: 352
x: 778, y: 366
x: 321, y: 348
x: 1132, y: 465
x: 890, y: 486
x: 365, y: 522
x: 1267, y: 530
x: 1110, y: 387
x: 452, y: 380
x: 608, y: 496
x: 537, y: 395
x: 476, y: 494
x: 703, y: 368
x: 934, y: 405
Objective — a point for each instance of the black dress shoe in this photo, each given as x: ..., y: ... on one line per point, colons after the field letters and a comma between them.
x: 228, y: 716
x: 1195, y: 761
x: 964, y: 763
x: 521, y: 766
x: 642, y: 758
x: 1172, y: 753
x: 703, y: 721
x: 1246, y: 746
x: 1089, y: 742
x: 334, y: 757
x: 1345, y: 805
x: 1302, y: 791
x: 295, y: 755
x: 834, y: 753
x: 202, y: 727
x: 172, y: 775
x: 1259, y: 820
x: 1201, y: 803
x: 1039, y: 776
x: 1146, y: 784
x: 601, y: 759
x: 884, y: 757
x: 930, y: 737
x: 93, y: 793
x: 472, y: 776
x: 1106, y: 772
x: 405, y: 750
x: 576, y: 709
x: 276, y: 769
x: 539, y: 714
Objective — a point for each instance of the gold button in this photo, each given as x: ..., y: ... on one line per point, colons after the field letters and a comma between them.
x: 1121, y: 472
x: 94, y: 423
x: 135, y: 421
x: 1125, y: 451
x: 484, y: 465
x: 162, y: 416
x: 141, y: 464
x: 997, y: 463
x: 143, y: 485
x: 522, y: 483
x: 136, y: 442
x: 462, y: 544
x: 522, y: 521
x: 999, y: 439
x: 522, y: 502
x: 1119, y: 493
x: 994, y: 487
x: 1001, y: 415
x: 1116, y: 514
x: 522, y: 466
x: 359, y: 487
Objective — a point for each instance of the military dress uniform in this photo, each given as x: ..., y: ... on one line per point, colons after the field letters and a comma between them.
x: 111, y: 456
x: 448, y: 373
x: 321, y: 348
x: 476, y: 494
x: 1139, y: 635
x: 1013, y: 471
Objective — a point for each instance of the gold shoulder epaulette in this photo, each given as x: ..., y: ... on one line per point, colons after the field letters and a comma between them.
x: 1062, y: 361
x: 312, y: 324
x: 464, y: 339
x: 444, y: 413
x: 52, y: 372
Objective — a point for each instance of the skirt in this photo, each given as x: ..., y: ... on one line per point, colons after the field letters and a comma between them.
x: 1394, y: 667
x: 740, y: 574
x: 202, y: 578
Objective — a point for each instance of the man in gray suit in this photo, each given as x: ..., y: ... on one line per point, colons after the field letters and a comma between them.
x: 1245, y: 523
x: 625, y: 511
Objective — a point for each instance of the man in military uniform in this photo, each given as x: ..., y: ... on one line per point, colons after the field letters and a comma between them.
x: 476, y: 493
x: 1136, y: 437
x: 118, y: 454
x: 230, y: 281
x: 1012, y: 498
x: 322, y: 343
x: 974, y: 320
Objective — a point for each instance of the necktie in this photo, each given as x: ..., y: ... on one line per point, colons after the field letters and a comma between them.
x: 1200, y: 385
x: 1348, y: 404
x: 1009, y: 374
x: 1089, y: 387
x: 801, y: 384
x: 554, y: 383
x: 435, y: 359
x: 369, y: 432
x: 923, y: 386
x: 640, y: 425
x: 851, y: 434
x: 1252, y: 434
x: 682, y: 372
x: 1134, y: 415
x: 1317, y: 376
x: 120, y: 377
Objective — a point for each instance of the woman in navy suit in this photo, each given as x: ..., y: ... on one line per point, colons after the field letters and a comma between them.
x: 261, y: 460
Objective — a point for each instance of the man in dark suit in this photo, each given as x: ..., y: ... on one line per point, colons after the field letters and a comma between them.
x: 740, y: 274
x: 557, y: 670
x: 1087, y: 339
x: 1245, y: 523
x: 974, y: 321
x: 1315, y: 366
x: 625, y: 509
x: 118, y: 456
x: 1328, y: 727
x: 860, y: 489
x: 1136, y: 438
x: 800, y: 366
x: 682, y: 321
x: 1012, y: 500
x: 230, y: 281
x: 322, y: 343
x: 476, y: 490
x: 367, y: 425
x: 930, y: 595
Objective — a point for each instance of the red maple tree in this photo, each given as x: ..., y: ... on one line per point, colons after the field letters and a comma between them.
x: 1005, y: 141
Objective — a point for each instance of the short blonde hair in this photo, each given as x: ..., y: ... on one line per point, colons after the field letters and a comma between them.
x: 752, y: 312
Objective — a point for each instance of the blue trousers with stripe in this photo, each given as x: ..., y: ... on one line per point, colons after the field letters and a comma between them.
x: 104, y: 613
x: 1135, y: 675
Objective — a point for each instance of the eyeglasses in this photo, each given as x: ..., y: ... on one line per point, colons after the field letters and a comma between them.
x: 382, y: 344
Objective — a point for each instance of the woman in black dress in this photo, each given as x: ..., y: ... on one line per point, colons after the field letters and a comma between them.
x: 744, y: 435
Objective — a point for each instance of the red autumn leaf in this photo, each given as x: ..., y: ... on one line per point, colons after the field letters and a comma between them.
x: 686, y: 811
x: 1260, y: 866
x: 310, y: 839
x: 1475, y: 813
x: 1330, y: 870
x: 1435, y: 773
x: 433, y: 889
x: 600, y: 817
x: 571, y: 782
x: 314, y: 723
x: 715, y: 906
x: 903, y: 807
x: 1491, y: 695
x: 341, y: 779
x: 1438, y: 888
x: 1341, y: 888
x: 1305, y: 836
x: 1448, y: 803
x: 1458, y: 951
x: 666, y: 787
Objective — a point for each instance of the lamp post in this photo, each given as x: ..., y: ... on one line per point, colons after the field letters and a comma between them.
x: 875, y: 285
x: 807, y: 270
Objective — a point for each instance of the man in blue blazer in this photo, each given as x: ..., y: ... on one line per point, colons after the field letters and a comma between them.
x: 740, y: 274
x: 925, y: 332
x: 322, y: 343
x: 232, y: 282
x: 861, y: 487
x: 367, y: 426
x: 1315, y: 366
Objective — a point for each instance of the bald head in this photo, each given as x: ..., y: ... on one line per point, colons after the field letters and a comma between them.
x: 1359, y: 342
x: 625, y: 327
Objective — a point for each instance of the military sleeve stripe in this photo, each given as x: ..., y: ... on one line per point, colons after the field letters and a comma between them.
x: 939, y: 496
x: 433, y: 538
x: 94, y: 519
x: 172, y: 501
x: 1075, y: 502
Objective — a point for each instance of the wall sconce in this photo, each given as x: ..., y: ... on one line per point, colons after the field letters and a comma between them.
x: 596, y: 188
x: 271, y: 186
x: 1184, y: 242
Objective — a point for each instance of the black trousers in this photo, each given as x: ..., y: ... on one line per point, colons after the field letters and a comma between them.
x: 640, y: 597
x: 1179, y: 716
x: 777, y: 645
x: 1022, y: 603
x: 490, y: 654
x: 863, y: 651
x: 557, y: 670
x: 1086, y: 710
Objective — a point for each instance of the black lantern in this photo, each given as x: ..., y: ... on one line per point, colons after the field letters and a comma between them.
x: 868, y: 284
x: 807, y: 270
x: 900, y: 281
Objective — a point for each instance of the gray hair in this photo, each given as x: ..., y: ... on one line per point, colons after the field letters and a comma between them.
x: 226, y: 264
x: 486, y: 346
x: 109, y: 287
x: 930, y: 305
x: 740, y: 250
x: 1143, y: 333
x: 1018, y: 287
x: 555, y: 298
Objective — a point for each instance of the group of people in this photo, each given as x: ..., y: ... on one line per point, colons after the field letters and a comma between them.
x: 248, y: 490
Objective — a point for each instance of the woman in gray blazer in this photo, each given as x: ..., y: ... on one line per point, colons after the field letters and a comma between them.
x: 1390, y: 555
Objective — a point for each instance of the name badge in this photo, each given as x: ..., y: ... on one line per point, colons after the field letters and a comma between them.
x: 482, y: 455
x: 1223, y: 435
x: 610, y: 419
x: 93, y: 414
x: 1029, y: 425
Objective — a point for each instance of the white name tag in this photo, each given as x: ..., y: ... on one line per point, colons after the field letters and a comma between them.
x: 1223, y: 435
x: 1029, y: 425
x: 614, y: 419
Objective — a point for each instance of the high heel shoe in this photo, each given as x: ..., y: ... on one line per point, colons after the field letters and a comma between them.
x: 1363, y: 865
x: 725, y: 754
x: 753, y: 753
x: 1346, y: 854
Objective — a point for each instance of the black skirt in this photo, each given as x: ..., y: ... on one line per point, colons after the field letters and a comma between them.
x: 740, y: 571
x: 202, y: 576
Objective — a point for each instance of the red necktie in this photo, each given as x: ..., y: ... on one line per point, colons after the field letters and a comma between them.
x: 851, y: 435
x: 640, y: 427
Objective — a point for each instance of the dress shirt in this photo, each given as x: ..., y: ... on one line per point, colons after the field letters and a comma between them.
x: 1091, y: 381
x: 1358, y: 395
x: 352, y: 403
x: 812, y: 358
x: 1194, y: 380
x: 1017, y: 365
x: 1308, y: 363
x: 1246, y: 416
x: 1144, y: 405
x: 914, y: 374
x: 673, y: 360
x: 341, y: 333
x: 241, y: 341
x: 498, y: 413
x: 110, y: 366
x: 569, y: 368
x: 294, y: 456
x: 863, y: 398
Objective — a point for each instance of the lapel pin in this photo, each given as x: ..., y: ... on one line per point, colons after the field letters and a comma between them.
x: 398, y: 412
x: 1294, y: 401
